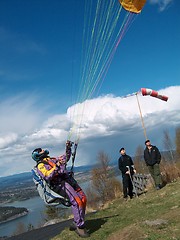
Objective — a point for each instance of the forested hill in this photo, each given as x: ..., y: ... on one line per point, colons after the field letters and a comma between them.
x: 9, y: 213
x: 15, y: 180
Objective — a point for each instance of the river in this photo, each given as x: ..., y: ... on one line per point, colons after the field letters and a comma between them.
x: 35, y: 216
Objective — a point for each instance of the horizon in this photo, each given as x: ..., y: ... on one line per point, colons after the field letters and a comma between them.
x: 111, y: 163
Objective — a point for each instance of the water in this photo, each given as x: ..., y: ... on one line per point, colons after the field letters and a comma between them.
x: 35, y: 217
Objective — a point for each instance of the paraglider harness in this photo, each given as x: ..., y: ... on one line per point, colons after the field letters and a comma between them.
x: 44, y: 188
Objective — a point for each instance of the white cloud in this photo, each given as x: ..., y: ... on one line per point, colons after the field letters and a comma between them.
x: 108, y: 123
x: 8, y: 139
x: 162, y: 4
x: 19, y: 114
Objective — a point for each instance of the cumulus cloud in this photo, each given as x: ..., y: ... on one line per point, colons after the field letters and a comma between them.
x: 109, y: 113
x: 103, y: 124
x: 162, y: 4
x: 7, y: 139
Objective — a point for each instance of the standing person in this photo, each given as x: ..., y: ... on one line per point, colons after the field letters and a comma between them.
x: 53, y: 170
x: 152, y: 158
x: 126, y: 166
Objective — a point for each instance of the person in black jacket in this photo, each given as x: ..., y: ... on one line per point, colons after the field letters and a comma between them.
x: 152, y: 158
x: 126, y: 166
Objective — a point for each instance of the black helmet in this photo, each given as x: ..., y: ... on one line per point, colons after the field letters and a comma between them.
x: 37, y: 156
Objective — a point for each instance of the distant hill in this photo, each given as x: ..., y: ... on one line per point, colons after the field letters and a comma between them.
x: 15, y: 176
x: 15, y: 180
x: 25, y: 178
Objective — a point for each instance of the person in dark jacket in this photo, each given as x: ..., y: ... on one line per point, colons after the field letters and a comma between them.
x: 126, y: 166
x: 152, y: 158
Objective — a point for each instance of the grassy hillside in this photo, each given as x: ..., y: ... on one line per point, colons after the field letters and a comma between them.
x: 154, y: 215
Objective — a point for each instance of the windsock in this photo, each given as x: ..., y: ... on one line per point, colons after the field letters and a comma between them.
x: 152, y: 93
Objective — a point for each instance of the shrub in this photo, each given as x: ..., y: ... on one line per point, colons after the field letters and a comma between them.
x: 104, y: 186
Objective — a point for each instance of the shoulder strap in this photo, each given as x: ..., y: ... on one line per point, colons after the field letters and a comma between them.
x: 46, y: 162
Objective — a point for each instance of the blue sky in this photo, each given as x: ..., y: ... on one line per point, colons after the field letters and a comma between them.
x: 40, y: 65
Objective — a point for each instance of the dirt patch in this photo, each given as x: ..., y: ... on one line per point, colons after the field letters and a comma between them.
x: 132, y: 232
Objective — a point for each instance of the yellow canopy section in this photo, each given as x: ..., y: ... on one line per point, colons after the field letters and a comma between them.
x: 134, y: 6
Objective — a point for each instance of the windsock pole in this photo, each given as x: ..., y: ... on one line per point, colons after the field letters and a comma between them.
x: 142, y: 121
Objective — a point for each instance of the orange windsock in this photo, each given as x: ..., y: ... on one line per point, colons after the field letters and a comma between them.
x: 152, y: 93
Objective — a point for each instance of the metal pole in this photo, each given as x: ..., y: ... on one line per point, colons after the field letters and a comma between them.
x: 144, y: 129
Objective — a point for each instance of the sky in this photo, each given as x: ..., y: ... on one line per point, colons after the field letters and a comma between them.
x: 40, y: 64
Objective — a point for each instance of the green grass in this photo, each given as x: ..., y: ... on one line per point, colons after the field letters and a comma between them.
x: 127, y: 220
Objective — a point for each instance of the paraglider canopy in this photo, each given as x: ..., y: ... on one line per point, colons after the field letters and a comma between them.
x: 134, y: 6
